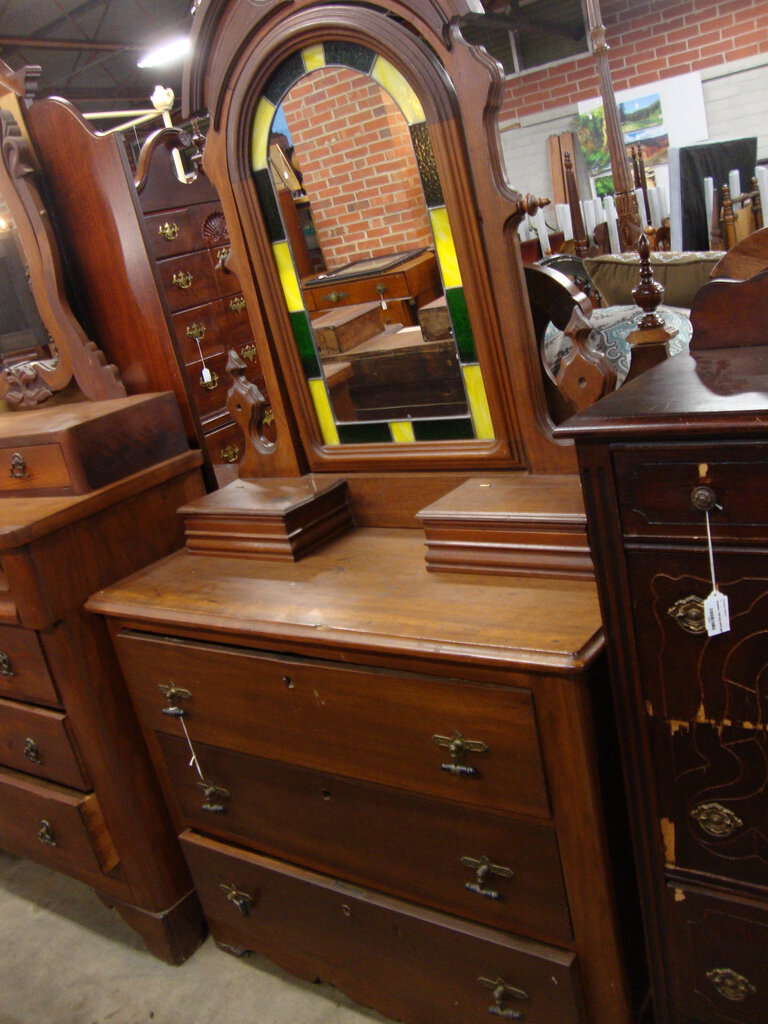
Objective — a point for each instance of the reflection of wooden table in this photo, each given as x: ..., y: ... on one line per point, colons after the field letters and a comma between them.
x: 404, y: 287
x: 399, y: 374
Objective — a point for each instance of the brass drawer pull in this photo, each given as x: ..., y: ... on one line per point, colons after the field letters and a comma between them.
x: 174, y: 693
x: 335, y: 296
x: 31, y: 751
x: 46, y: 834
x: 716, y: 820
x: 237, y: 305
x: 248, y: 352
x: 210, y: 382
x: 688, y: 613
x: 196, y: 330
x: 222, y: 258
x: 502, y: 993
x: 168, y: 231
x: 230, y: 453
x: 731, y: 985
x: 183, y: 279
x: 242, y: 900
x: 5, y: 665
x: 483, y: 869
x: 213, y: 795
x: 459, y: 746
x: 18, y: 466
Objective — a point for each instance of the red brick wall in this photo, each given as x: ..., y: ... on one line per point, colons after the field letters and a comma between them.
x: 355, y: 155
x: 649, y: 40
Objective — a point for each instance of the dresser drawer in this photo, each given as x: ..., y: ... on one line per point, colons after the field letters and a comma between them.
x: 655, y: 490
x: 214, y: 325
x: 410, y: 963
x: 55, y: 826
x: 188, y: 280
x: 375, y: 726
x: 38, y: 741
x: 497, y: 871
x: 712, y: 783
x: 172, y: 233
x: 24, y: 673
x: 719, y: 962
x: 35, y: 468
x: 686, y: 675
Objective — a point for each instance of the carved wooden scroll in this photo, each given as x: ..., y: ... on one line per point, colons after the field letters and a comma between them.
x: 73, y: 355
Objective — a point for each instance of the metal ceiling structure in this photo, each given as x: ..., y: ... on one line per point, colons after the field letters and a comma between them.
x: 88, y: 49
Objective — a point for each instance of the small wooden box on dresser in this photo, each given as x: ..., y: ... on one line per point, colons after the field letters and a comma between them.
x: 684, y: 443
x: 379, y: 785
x: 88, y: 493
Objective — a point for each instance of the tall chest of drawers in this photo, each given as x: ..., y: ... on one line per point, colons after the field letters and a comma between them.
x: 385, y: 778
x: 77, y: 792
x: 684, y: 444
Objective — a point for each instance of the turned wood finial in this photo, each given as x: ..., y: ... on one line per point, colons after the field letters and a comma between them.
x: 649, y: 292
x: 729, y: 220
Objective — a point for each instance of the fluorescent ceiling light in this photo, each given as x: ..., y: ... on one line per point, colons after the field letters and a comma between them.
x: 167, y: 53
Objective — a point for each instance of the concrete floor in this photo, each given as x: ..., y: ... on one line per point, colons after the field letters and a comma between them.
x: 66, y: 959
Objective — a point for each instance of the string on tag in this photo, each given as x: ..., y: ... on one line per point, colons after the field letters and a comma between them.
x: 205, y: 376
x: 194, y: 761
x: 716, y: 615
x: 710, y: 551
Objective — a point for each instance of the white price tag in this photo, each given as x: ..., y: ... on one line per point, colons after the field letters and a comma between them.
x: 716, y: 615
x: 206, y: 376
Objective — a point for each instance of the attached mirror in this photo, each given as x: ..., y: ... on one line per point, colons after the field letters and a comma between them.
x: 361, y: 237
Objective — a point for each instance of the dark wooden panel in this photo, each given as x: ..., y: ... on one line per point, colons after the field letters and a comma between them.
x: 38, y: 741
x: 376, y: 726
x: 407, y: 962
x: 389, y: 840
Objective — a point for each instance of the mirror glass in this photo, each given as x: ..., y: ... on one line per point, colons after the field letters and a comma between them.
x: 361, y: 237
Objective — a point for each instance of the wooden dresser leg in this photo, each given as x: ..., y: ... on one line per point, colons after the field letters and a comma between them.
x: 171, y: 935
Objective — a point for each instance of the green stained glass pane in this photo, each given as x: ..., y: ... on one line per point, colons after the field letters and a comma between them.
x: 302, y: 332
x: 462, y: 332
x: 364, y: 433
x: 350, y: 55
x: 290, y: 71
x: 444, y: 430
x: 266, y: 193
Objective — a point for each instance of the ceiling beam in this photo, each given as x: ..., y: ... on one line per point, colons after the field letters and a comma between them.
x: 36, y: 43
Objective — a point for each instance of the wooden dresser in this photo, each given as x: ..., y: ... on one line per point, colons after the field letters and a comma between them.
x: 80, y: 508
x: 686, y: 439
x: 379, y: 784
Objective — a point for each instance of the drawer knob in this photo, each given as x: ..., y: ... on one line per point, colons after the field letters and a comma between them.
x: 183, y: 279
x: 18, y: 466
x: 31, y: 751
x: 459, y: 746
x: 241, y: 900
x: 237, y: 305
x: 502, y: 993
x: 335, y: 296
x: 730, y: 984
x: 173, y: 694
x: 45, y: 833
x: 716, y: 820
x: 196, y: 330
x: 483, y: 869
x: 704, y: 499
x: 5, y: 665
x: 248, y: 352
x: 230, y: 453
x: 168, y: 231
x: 213, y: 796
x: 209, y: 379
x: 688, y: 613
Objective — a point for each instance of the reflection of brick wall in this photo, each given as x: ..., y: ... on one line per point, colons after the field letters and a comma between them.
x: 649, y: 40
x: 355, y: 154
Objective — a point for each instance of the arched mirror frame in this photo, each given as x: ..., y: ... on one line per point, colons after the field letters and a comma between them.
x: 238, y: 45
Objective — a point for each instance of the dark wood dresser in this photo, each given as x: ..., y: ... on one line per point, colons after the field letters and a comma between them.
x: 380, y: 784
x: 687, y: 440
x: 77, y: 793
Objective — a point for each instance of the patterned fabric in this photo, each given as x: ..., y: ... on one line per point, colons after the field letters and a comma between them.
x: 610, y: 329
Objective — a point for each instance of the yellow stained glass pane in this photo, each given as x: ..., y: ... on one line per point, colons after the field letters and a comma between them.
x: 402, y: 431
x: 313, y: 57
x: 446, y: 250
x: 389, y: 78
x: 262, y: 122
x: 478, y: 402
x: 323, y: 410
x: 288, y: 278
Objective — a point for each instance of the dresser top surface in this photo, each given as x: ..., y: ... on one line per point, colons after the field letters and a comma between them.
x: 368, y: 590
x: 722, y: 390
